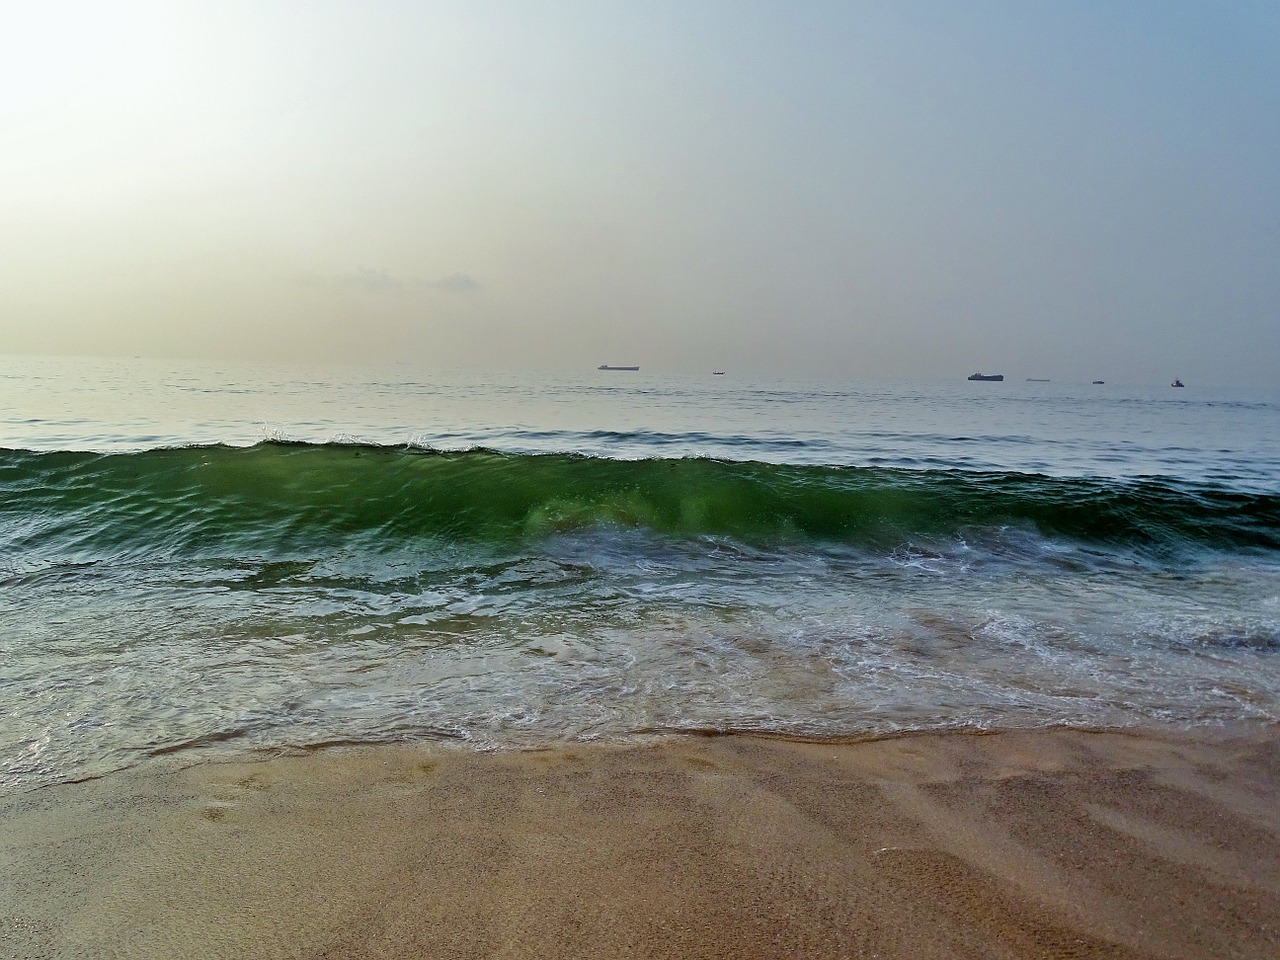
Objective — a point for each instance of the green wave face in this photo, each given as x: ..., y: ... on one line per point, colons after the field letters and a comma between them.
x: 274, y: 498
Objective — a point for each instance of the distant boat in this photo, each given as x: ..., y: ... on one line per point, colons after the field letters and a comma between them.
x: 986, y: 376
x: 1096, y: 382
x: 1033, y: 379
x: 1177, y: 383
x: 717, y: 373
x: 605, y: 366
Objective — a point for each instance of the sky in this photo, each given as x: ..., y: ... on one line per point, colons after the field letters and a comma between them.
x: 1076, y: 190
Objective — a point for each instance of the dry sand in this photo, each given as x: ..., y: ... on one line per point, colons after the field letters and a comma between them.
x: 1051, y: 844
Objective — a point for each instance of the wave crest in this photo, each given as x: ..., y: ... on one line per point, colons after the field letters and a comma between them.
x: 277, y: 495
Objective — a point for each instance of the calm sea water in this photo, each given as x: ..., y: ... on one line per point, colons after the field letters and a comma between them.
x: 243, y: 557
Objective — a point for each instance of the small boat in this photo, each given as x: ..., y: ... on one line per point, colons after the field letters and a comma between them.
x: 1177, y: 383
x: 605, y: 366
x: 1096, y: 382
x: 1037, y: 379
x: 987, y: 376
x: 717, y: 373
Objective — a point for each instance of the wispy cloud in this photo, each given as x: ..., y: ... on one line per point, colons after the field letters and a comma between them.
x: 377, y: 282
x: 456, y: 283
x: 380, y: 283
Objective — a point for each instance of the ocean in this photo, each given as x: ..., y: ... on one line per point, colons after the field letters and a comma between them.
x: 220, y: 559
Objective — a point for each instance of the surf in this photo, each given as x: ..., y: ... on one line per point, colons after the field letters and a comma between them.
x: 276, y: 498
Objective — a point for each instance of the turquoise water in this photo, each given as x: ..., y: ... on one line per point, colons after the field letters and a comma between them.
x: 256, y: 557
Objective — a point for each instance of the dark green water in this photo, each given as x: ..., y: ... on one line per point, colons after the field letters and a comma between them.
x: 282, y: 498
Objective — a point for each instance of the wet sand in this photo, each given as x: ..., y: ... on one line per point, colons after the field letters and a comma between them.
x: 1050, y: 844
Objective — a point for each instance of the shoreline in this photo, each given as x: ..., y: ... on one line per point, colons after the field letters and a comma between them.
x: 1054, y: 843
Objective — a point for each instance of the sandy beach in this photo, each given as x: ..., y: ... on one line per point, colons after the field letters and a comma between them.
x: 1047, y: 844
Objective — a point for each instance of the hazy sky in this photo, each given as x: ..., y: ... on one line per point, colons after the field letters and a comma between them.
x: 1064, y: 189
